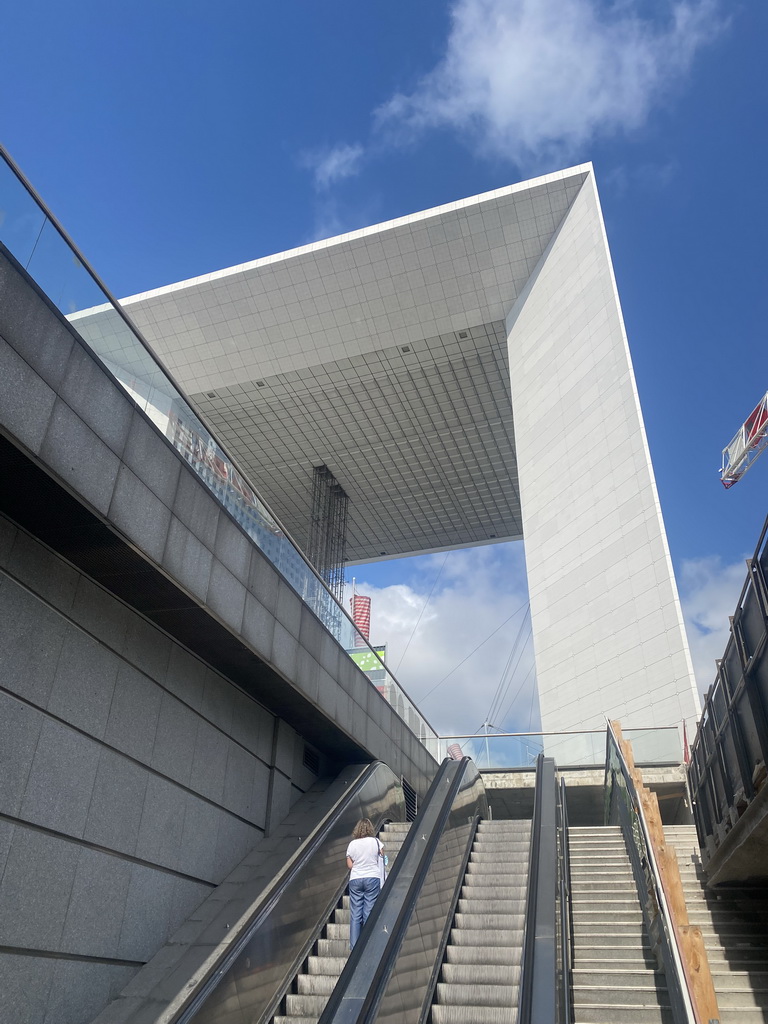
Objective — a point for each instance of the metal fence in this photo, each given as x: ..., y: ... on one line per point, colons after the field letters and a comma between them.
x: 730, y: 751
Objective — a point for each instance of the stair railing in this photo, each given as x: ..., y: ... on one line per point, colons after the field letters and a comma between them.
x: 565, y: 909
x: 537, y: 1001
x: 623, y: 802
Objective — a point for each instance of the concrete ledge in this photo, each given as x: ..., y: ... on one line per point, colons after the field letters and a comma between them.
x: 741, y: 854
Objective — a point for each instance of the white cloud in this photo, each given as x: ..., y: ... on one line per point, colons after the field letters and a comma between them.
x: 478, y: 590
x: 334, y: 164
x: 534, y: 79
x: 535, y: 82
x: 709, y: 591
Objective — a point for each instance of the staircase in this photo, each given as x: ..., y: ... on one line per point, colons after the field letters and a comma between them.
x: 734, y: 927
x: 480, y: 975
x: 615, y: 976
x: 312, y: 986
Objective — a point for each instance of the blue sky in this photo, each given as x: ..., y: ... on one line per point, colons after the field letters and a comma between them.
x: 174, y: 139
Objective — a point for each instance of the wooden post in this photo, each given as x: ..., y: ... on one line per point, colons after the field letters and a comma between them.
x: 688, y: 937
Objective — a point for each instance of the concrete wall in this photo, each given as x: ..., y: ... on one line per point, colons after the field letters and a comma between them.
x: 607, y: 624
x: 142, y: 752
x: 133, y: 777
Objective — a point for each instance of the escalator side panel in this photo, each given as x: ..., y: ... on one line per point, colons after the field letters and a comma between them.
x: 408, y: 991
x: 264, y: 960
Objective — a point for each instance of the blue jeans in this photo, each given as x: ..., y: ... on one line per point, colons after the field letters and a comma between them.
x: 362, y: 896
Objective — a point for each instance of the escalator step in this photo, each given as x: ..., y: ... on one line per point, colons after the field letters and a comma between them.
x: 473, y: 1014
x: 316, y: 984
x: 475, y: 905
x: 491, y: 955
x: 496, y: 994
x: 480, y: 922
x: 333, y: 965
x: 511, y: 938
x: 481, y: 974
x: 481, y: 889
x: 304, y: 1006
x: 333, y: 947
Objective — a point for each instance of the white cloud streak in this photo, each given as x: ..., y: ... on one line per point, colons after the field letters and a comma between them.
x: 334, y: 164
x: 533, y: 79
x: 479, y: 588
x: 535, y: 82
x: 709, y: 591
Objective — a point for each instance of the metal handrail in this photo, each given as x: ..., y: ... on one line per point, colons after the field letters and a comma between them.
x: 566, y: 910
x: 537, y: 1002
x: 682, y: 1006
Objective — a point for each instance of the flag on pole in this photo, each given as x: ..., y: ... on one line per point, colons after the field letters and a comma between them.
x: 361, y: 615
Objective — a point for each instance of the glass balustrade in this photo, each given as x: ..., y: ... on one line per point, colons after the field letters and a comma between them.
x: 569, y: 749
x: 37, y: 242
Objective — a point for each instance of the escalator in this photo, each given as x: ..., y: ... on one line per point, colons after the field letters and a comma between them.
x: 480, y: 977
x: 465, y: 933
x: 451, y: 939
x: 309, y: 992
x: 466, y: 930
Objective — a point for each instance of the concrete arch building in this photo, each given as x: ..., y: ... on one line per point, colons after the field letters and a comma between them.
x: 175, y: 698
x: 464, y: 373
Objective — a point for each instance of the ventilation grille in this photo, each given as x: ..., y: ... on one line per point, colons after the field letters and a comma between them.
x: 312, y: 760
x: 411, y: 801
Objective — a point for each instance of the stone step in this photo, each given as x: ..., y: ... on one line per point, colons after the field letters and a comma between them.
x: 585, y: 934
x: 599, y: 913
x: 619, y: 979
x: 585, y: 871
x: 627, y: 995
x: 621, y: 1013
x: 745, y: 997
x: 621, y: 959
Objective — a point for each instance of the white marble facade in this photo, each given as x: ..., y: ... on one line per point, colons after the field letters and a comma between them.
x: 465, y: 374
x: 607, y: 622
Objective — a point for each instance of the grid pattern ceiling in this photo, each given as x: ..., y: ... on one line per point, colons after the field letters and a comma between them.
x: 381, y: 354
x: 419, y: 436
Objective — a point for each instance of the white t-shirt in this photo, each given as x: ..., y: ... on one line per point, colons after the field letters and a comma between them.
x: 364, y: 854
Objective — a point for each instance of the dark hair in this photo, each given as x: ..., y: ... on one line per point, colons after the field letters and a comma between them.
x: 362, y: 829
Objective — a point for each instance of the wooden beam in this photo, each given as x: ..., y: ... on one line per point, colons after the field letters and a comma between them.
x: 688, y: 938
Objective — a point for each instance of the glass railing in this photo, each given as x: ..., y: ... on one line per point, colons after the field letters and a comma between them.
x: 34, y: 238
x: 516, y: 750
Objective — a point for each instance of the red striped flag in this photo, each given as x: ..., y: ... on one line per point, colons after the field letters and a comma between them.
x: 361, y: 615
